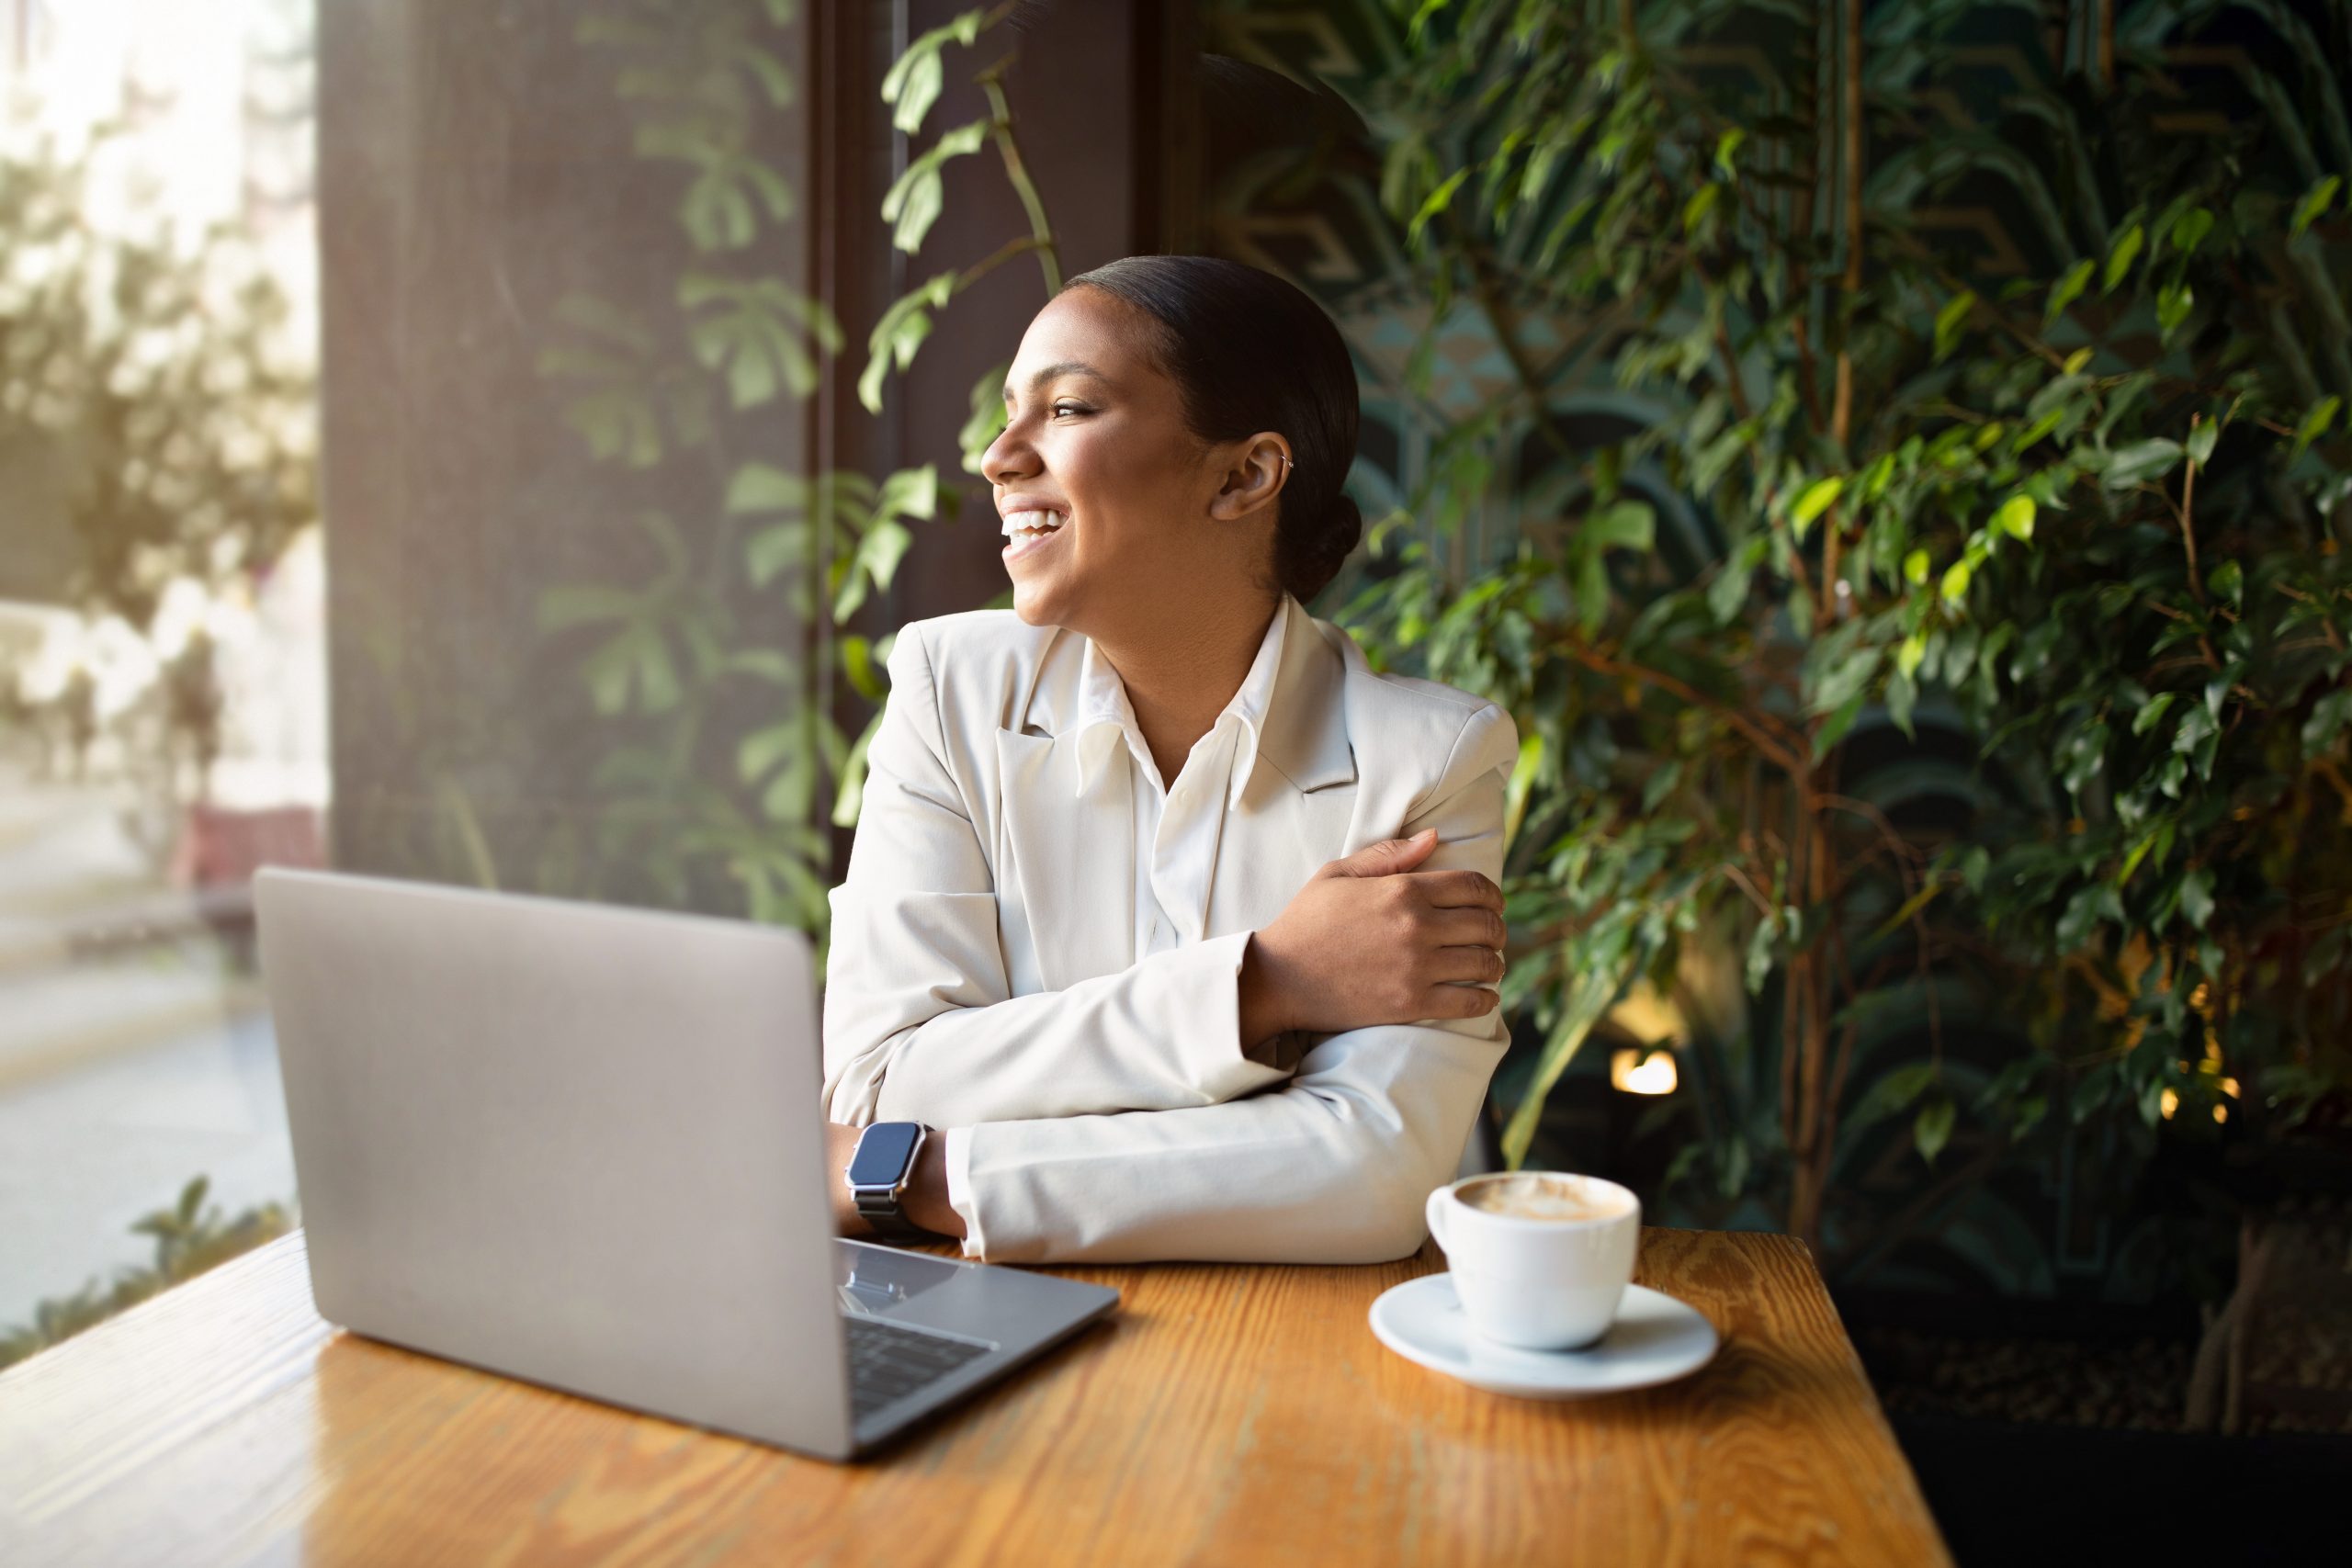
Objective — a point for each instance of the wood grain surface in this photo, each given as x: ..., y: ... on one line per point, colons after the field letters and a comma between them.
x: 1222, y: 1415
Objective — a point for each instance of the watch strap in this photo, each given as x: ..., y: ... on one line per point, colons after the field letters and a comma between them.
x: 884, y: 1213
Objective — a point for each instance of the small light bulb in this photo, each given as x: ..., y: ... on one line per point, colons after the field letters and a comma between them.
x: 1629, y: 1073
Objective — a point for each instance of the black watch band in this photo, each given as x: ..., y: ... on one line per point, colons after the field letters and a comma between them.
x: 882, y: 1210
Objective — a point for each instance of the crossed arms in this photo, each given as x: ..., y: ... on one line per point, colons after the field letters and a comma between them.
x: 1118, y: 1119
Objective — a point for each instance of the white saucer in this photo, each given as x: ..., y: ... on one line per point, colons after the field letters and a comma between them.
x: 1655, y: 1340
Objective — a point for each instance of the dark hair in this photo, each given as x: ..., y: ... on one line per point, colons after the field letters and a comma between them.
x: 1250, y: 352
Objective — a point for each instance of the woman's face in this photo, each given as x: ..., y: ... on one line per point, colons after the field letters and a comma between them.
x: 1137, y: 507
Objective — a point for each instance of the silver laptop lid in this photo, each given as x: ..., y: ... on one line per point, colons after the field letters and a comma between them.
x: 571, y: 1143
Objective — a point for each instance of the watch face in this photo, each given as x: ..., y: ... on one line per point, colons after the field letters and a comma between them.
x: 882, y: 1154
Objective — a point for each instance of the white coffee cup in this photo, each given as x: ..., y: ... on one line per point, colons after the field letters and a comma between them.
x: 1541, y: 1284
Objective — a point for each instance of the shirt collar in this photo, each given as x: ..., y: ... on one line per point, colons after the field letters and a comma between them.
x: 1105, y: 715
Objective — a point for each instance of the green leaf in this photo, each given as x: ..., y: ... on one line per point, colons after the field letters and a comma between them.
x: 1702, y: 201
x: 1624, y: 525
x: 1955, y: 583
x: 2314, y: 202
x: 1587, y: 997
x: 899, y: 332
x: 1902, y: 699
x: 914, y: 79
x: 1726, y: 145
x: 2016, y: 518
x: 910, y: 492
x: 1890, y: 1094
x: 986, y: 421
x: 1522, y: 780
x: 2197, y: 896
x: 1434, y: 203
x: 2201, y: 438
x: 1909, y: 655
x: 1727, y: 594
x: 1816, y: 499
x: 2173, y: 305
x: 2067, y: 289
x: 574, y: 604
x: 2315, y: 424
x: 1839, y: 724
x: 915, y: 199
x: 1915, y: 569
x: 2119, y: 259
x: 2227, y: 580
x: 1931, y: 1130
x: 1951, y: 319
x: 771, y: 550
x: 2329, y: 716
x: 761, y: 487
x: 1660, y: 784
x: 1592, y: 592
x: 2141, y: 461
x: 759, y: 751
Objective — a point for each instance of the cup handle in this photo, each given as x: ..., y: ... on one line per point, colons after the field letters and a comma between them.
x: 1436, y: 1209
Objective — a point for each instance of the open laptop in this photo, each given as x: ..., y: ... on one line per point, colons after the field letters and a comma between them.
x: 583, y: 1146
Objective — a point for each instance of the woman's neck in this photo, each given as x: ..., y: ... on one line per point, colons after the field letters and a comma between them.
x: 1180, y: 672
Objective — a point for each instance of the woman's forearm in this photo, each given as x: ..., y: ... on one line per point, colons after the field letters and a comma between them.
x: 1259, y: 1002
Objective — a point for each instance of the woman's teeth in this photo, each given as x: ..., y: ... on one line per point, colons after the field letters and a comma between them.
x: 1031, y: 524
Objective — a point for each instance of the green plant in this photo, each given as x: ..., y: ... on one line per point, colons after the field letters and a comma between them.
x: 1867, y: 481
x: 190, y: 1239
x: 698, y: 392
x: 151, y: 402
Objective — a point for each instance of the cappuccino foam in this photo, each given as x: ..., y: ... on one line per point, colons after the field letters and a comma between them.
x: 1538, y: 1197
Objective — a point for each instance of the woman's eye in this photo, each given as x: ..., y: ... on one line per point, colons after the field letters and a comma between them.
x: 1068, y: 408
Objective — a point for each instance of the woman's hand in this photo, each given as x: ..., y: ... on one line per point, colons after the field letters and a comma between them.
x: 924, y: 1203
x: 1371, y: 940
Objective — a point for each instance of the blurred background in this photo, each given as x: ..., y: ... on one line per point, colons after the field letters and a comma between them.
x: 1889, y: 456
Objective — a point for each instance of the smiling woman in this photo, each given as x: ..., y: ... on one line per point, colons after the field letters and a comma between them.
x: 1175, y: 915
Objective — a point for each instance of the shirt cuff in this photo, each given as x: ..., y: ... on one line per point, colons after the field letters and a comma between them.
x: 1210, y: 1036
x: 959, y: 1189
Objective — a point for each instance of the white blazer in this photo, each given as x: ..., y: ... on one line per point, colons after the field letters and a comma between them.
x: 980, y: 976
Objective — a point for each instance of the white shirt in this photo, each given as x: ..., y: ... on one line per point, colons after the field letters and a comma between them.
x: 1177, y: 827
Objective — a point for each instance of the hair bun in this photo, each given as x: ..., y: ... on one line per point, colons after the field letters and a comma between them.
x: 1326, y: 548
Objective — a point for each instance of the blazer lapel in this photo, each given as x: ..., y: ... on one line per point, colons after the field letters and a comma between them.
x: 1301, y: 798
x: 1072, y: 856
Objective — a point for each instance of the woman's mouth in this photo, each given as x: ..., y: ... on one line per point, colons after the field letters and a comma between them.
x: 1026, y: 532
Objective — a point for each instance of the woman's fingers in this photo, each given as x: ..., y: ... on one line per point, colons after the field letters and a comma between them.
x: 1459, y: 1001
x: 1475, y: 926
x: 1480, y: 966
x: 1456, y: 889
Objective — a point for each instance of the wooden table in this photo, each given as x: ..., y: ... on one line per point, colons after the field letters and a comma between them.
x: 1221, y: 1415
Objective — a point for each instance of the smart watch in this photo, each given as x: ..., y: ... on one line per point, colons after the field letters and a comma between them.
x: 879, y: 1171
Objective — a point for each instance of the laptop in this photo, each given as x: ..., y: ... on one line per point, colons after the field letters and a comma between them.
x: 583, y: 1146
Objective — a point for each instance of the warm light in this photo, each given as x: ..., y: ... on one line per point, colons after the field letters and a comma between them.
x: 1648, y: 1016
x: 2220, y: 1113
x: 1628, y: 1072
x: 2168, y: 1102
x: 2230, y: 1088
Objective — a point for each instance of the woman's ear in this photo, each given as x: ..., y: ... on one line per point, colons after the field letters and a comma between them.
x: 1258, y: 468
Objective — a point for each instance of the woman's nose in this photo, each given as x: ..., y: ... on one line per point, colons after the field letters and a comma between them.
x: 1008, y: 458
